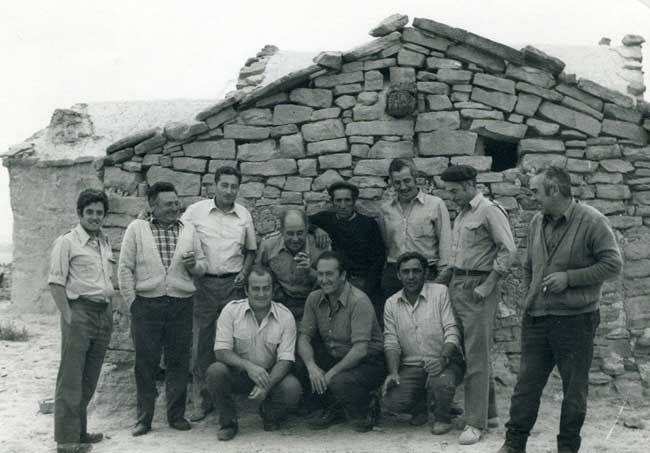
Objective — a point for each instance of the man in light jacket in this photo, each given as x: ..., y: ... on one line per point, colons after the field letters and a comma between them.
x: 158, y: 259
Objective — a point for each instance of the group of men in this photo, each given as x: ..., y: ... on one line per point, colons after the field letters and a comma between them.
x: 201, y: 292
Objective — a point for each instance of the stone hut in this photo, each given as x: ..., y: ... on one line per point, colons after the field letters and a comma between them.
x: 439, y: 95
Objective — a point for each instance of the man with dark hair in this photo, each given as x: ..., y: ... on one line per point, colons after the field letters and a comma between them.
x: 158, y: 259
x: 413, y: 221
x: 255, y: 346
x: 291, y: 255
x: 355, y: 236
x: 571, y: 251
x: 341, y: 347
x: 482, y: 252
x: 227, y: 236
x: 80, y: 283
x: 422, y: 347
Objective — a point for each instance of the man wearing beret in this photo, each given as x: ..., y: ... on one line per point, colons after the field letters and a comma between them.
x: 355, y: 236
x: 481, y: 253
x: 413, y: 221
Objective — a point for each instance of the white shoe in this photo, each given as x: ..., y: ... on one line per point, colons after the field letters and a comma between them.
x: 469, y: 436
x: 493, y: 422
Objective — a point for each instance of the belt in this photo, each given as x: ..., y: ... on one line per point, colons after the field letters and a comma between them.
x: 231, y: 274
x: 89, y: 303
x: 469, y: 273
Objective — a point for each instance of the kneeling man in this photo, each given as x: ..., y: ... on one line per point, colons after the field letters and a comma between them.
x: 421, y: 343
x: 346, y: 364
x: 254, y: 348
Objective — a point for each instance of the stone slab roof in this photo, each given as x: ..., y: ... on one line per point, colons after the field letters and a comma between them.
x: 86, y: 130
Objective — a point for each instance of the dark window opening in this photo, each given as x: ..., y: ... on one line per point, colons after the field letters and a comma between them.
x: 504, y: 154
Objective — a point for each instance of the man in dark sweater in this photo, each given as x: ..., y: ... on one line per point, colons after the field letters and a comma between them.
x: 356, y: 237
x: 571, y: 252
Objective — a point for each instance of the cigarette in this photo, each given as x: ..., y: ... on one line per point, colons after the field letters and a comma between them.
x: 544, y: 289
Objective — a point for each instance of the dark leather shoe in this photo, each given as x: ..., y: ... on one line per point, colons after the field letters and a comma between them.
x: 228, y: 431
x: 419, y: 419
x: 181, y: 424
x: 362, y: 425
x: 140, y: 429
x: 327, y: 418
x: 91, y: 438
x: 268, y: 422
x: 508, y: 449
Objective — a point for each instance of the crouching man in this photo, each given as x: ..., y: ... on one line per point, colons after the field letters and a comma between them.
x: 346, y: 363
x: 254, y: 349
x: 421, y: 344
x: 80, y: 282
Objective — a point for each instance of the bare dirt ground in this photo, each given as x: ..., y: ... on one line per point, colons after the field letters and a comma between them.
x: 28, y: 372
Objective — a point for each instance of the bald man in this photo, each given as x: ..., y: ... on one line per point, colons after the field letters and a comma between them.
x: 291, y: 255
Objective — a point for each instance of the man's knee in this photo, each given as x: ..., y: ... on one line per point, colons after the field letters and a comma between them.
x: 341, y: 384
x: 289, y: 390
x: 217, y: 375
x: 397, y: 401
x: 443, y: 382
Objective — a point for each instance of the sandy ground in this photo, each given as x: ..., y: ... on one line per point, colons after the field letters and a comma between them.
x: 28, y: 372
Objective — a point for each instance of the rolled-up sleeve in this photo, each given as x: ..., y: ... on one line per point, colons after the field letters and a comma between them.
x: 499, y: 228
x: 225, y: 330
x: 391, y: 340
x: 59, y: 262
x: 287, y: 346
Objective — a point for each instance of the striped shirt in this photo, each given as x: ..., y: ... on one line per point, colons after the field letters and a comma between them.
x: 166, y: 239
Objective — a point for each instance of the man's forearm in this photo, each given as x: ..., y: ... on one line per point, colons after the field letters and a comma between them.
x: 305, y: 351
x: 60, y: 298
x: 355, y: 355
x: 249, y: 259
x: 231, y: 358
x: 392, y: 361
x: 279, y: 371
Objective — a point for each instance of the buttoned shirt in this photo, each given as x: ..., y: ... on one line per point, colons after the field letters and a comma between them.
x: 351, y: 321
x: 423, y: 227
x: 225, y: 236
x: 83, y: 265
x: 297, y: 283
x: 260, y: 343
x: 421, y: 329
x: 482, y: 240
x: 165, y: 239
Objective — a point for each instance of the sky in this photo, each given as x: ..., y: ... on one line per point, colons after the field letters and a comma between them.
x: 58, y: 53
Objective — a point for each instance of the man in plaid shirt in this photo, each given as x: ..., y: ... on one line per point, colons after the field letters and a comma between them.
x: 158, y: 259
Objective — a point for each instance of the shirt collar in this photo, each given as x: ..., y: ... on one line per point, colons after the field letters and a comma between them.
x: 343, y: 297
x: 83, y: 235
x: 477, y: 200
x: 232, y: 210
x: 354, y: 214
x: 272, y: 311
x: 155, y: 221
x: 565, y: 216
x: 401, y: 297
x: 280, y: 245
x: 419, y: 197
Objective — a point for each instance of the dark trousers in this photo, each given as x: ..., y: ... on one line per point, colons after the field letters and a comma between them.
x: 83, y: 345
x: 547, y: 341
x: 212, y: 294
x: 476, y: 322
x: 157, y: 324
x: 419, y: 391
x: 225, y: 381
x: 350, y: 388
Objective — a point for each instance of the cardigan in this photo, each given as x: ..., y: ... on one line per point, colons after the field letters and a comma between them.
x: 141, y: 271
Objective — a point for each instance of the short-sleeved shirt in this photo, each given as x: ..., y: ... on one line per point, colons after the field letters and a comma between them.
x: 83, y: 265
x: 352, y: 321
x: 424, y: 227
x: 225, y: 236
x: 420, y: 330
x: 262, y: 344
x: 482, y: 240
x: 294, y: 282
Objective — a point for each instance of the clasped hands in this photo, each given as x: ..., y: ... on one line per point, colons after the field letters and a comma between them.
x: 262, y: 381
x: 319, y: 379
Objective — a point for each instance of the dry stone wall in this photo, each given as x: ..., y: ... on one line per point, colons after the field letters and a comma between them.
x: 472, y: 100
